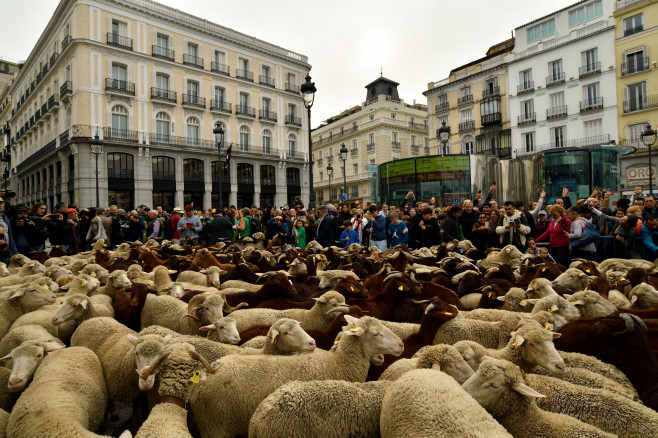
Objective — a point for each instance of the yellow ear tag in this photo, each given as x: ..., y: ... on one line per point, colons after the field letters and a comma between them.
x: 401, y: 288
x: 196, y: 377
x: 586, y: 287
x: 543, y: 269
x: 287, y: 262
x: 82, y: 283
x: 273, y: 340
x: 623, y: 278
x: 352, y: 288
x: 143, y: 274
x: 447, y: 313
x: 524, y: 302
x: 587, y: 271
x: 514, y: 343
x: 491, y: 295
x: 93, y: 274
x: 336, y: 342
x: 353, y: 330
x: 547, y: 326
x: 550, y: 309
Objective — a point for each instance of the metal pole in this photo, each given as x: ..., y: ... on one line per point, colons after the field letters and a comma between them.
x: 344, y: 180
x: 311, y: 197
x: 329, y: 188
x: 98, y: 204
x: 219, y: 165
x: 650, y: 172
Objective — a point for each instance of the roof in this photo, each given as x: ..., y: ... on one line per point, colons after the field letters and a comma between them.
x: 478, y: 61
x: 552, y: 13
x: 381, y: 79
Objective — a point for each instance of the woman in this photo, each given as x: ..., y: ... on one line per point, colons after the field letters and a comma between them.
x: 243, y: 227
x: 624, y: 235
x: 637, y: 211
x: 311, y: 227
x: 39, y: 217
x: 480, y: 232
x: 560, y: 243
x: 493, y: 240
x: 358, y: 222
x: 299, y: 234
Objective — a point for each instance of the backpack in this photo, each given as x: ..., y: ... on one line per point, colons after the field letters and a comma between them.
x: 256, y: 226
x: 168, y: 229
x: 590, y: 234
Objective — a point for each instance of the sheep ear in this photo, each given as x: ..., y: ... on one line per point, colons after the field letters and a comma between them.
x: 554, y: 282
x: 65, y: 287
x: 567, y: 296
x: 518, y: 341
x: 203, y: 271
x: 524, y: 389
x: 554, y: 308
x: 6, y: 358
x: 532, y: 301
x: 556, y: 335
x: 501, y: 298
x: 171, y: 271
x: 20, y: 293
x: 496, y: 324
x: 350, y: 318
x: 578, y: 302
x: 208, y: 328
x: 321, y: 300
x: 52, y: 346
x: 436, y: 366
x: 133, y: 339
x: 84, y: 304
x: 633, y: 299
x: 583, y: 275
x: 274, y: 334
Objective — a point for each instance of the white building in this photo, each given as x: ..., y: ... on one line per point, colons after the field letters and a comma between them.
x: 562, y: 79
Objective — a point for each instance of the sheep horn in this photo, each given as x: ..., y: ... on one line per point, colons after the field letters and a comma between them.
x: 393, y: 275
x: 412, y: 274
x: 429, y: 308
x: 194, y: 317
x: 204, y: 361
x: 421, y: 301
x: 384, y: 268
x: 230, y: 309
x: 145, y: 374
x: 628, y: 321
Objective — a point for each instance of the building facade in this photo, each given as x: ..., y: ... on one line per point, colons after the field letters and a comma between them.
x: 381, y: 129
x: 472, y: 102
x: 561, y: 80
x: 151, y: 82
x: 8, y: 71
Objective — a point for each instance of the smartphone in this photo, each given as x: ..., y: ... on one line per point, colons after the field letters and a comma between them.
x: 486, y: 224
x: 493, y: 183
x: 479, y: 191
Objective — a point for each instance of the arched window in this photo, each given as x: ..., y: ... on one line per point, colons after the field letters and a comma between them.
x: 193, y: 169
x: 162, y: 126
x: 164, y: 169
x: 193, y: 131
x: 120, y: 166
x: 119, y: 121
x: 292, y: 145
x: 292, y: 176
x: 245, y: 173
x: 244, y: 138
x: 468, y: 145
x: 267, y: 141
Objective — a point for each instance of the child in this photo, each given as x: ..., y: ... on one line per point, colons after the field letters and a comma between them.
x: 5, y: 253
x: 543, y: 253
x: 348, y: 236
x: 637, y: 193
x: 299, y: 233
x: 397, y: 231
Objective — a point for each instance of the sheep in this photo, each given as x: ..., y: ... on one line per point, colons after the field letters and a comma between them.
x: 442, y: 357
x: 81, y: 284
x: 174, y: 314
x: 223, y: 330
x: 25, y: 360
x: 467, y: 329
x: 499, y: 386
x: 402, y: 329
x: 619, y: 300
x: 7, y: 398
x: 67, y: 397
x: 425, y: 403
x: 96, y: 270
x: 4, y: 272
x: 4, y: 419
x: 320, y: 408
x: 515, y: 300
x: 224, y: 405
x: 117, y: 280
x: 205, y: 277
x: 573, y: 279
x: 120, y: 351
x: 540, y: 288
x: 30, y: 268
x: 591, y: 304
x: 327, y: 306
x: 25, y: 299
x: 643, y: 296
x: 329, y: 279
x: 17, y: 261
x: 563, y: 310
x: 509, y: 255
x: 601, y: 408
x: 624, y: 265
x: 17, y: 336
x: 240, y: 285
x: 80, y: 308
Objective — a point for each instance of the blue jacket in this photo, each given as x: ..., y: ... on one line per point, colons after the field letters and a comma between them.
x: 378, y: 228
x: 649, y: 238
x: 354, y: 238
x: 399, y: 234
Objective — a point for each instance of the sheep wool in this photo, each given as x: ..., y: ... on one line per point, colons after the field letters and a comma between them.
x: 467, y: 329
x: 429, y: 403
x: 4, y: 419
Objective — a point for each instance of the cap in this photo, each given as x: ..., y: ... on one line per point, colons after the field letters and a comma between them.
x: 121, y: 211
x: 177, y: 210
x: 71, y: 211
x: 21, y: 208
x: 542, y: 212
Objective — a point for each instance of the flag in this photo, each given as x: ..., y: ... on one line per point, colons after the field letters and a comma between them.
x: 228, y: 154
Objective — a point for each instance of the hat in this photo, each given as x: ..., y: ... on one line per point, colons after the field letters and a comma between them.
x: 323, y: 208
x: 71, y: 211
x: 177, y: 210
x: 121, y: 211
x: 214, y: 210
x: 542, y: 212
x: 623, y: 203
x: 21, y: 208
x: 100, y: 211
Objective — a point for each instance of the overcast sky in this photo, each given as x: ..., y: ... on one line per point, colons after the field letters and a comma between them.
x: 346, y: 41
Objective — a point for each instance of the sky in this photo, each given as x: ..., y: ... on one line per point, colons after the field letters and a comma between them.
x: 348, y: 42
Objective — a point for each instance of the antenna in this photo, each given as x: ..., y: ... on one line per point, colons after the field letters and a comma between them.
x: 381, y: 72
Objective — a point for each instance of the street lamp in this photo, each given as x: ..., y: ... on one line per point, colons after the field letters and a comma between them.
x: 219, y: 130
x: 308, y: 91
x: 443, y: 135
x: 649, y: 139
x: 343, y: 156
x: 96, y: 145
x: 330, y: 174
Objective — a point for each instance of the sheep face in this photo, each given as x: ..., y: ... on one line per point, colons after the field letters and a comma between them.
x: 32, y: 267
x: 376, y: 338
x: 352, y: 287
x: 212, y: 274
x: 223, y: 330
x: 148, y: 348
x: 72, y: 308
x: 175, y: 290
x: 33, y: 296
x: 25, y: 360
x: 643, y: 296
x: 540, y: 288
x: 591, y: 304
x: 562, y: 309
x: 536, y: 345
x: 331, y: 304
x: 290, y: 336
x: 446, y: 358
x: 119, y: 279
x: 210, y: 310
x: 471, y: 352
x: 3, y: 270
x: 574, y: 279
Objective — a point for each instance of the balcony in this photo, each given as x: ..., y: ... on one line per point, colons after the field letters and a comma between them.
x: 244, y: 74
x: 220, y: 105
x: 162, y: 52
x: 573, y: 143
x: 443, y: 106
x: 267, y: 81
x: 53, y: 101
x: 120, y: 173
x: 416, y: 125
x: 216, y: 67
x: 395, y: 145
x: 66, y: 88
x: 555, y: 79
x: 415, y: 149
x: 591, y: 105
x: 641, y: 103
x: 589, y: 70
x: 526, y: 87
x: 465, y: 100
x: 468, y: 125
x: 53, y: 58
x: 65, y: 41
x: 636, y: 66
x: 320, y: 161
x: 114, y: 39
x: 354, y: 152
x: 631, y: 30
x: 163, y: 95
x: 330, y: 159
x: 194, y: 100
x: 163, y: 175
x: 120, y: 135
x: 292, y: 120
x: 556, y: 112
x: 492, y: 119
x: 526, y: 118
x: 243, y: 110
x: 500, y: 152
x: 120, y: 87
x: 292, y: 88
x: 267, y: 115
x: 490, y: 92
x: 192, y: 60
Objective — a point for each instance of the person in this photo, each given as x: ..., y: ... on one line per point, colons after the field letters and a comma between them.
x: 559, y: 243
x: 299, y: 234
x: 650, y: 237
x: 25, y: 230
x: 397, y: 231
x: 136, y: 229
x: 520, y: 207
x: 60, y: 226
x: 348, y: 236
x: 650, y: 208
x: 121, y: 231
x: 311, y: 227
x: 469, y: 217
x: 377, y: 228
x: 96, y: 229
x: 106, y: 221
x: 343, y: 216
x: 189, y: 225
x: 358, y: 223
x: 533, y: 249
x: 638, y: 194
x: 624, y: 234
x: 40, y: 218
x: 173, y: 220
x: 493, y: 241
x: 152, y: 225
x: 541, y: 224
x: 281, y: 228
x: 450, y: 226
x: 244, y: 230
x: 512, y: 227
x: 545, y: 255
x: 480, y: 232
x: 5, y: 252
x: 587, y: 252
x: 221, y: 229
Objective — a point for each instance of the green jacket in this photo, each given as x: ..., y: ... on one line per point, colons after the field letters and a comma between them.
x: 221, y: 228
x: 300, y: 241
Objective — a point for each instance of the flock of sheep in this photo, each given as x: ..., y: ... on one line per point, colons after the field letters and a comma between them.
x: 282, y: 342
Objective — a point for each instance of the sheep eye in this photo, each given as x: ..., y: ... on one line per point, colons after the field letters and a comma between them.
x: 495, y: 385
x: 40, y: 355
x: 221, y: 327
x: 284, y: 333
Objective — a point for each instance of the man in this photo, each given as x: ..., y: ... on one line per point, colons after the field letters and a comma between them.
x: 173, y: 222
x: 486, y: 208
x: 96, y: 229
x: 221, y: 229
x: 152, y: 225
x: 189, y: 225
x: 385, y: 210
x: 325, y: 233
x: 650, y: 237
x: 136, y: 229
x: 578, y: 221
x: 450, y: 225
x: 377, y: 228
x: 397, y: 231
x: 480, y: 232
x: 512, y: 227
x: 520, y: 206
x: 143, y: 213
x: 639, y: 202
x: 120, y: 227
x: 650, y: 208
x: 468, y: 218
x: 60, y: 227
x: 542, y: 223
x: 25, y: 231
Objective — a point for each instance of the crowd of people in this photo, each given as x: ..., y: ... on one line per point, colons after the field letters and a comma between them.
x: 557, y: 232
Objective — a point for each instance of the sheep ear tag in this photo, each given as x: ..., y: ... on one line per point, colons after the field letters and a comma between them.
x: 93, y: 274
x: 196, y: 378
x: 82, y: 283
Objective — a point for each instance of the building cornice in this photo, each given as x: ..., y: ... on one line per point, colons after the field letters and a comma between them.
x: 449, y: 85
x: 625, y: 6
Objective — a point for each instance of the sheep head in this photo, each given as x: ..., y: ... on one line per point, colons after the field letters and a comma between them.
x: 223, y: 330
x: 119, y: 279
x: 206, y: 308
x: 643, y: 296
x: 289, y: 336
x: 535, y: 345
x: 376, y: 338
x: 445, y: 358
x: 330, y: 303
x: 33, y: 296
x: 25, y: 360
x: 591, y: 304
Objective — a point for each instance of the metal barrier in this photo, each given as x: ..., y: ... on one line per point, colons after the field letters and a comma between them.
x: 606, y: 247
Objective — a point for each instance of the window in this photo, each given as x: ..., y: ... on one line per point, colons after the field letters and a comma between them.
x: 292, y: 110
x: 244, y: 138
x: 392, y: 115
x: 529, y: 141
x: 219, y: 57
x: 633, y: 24
x: 527, y: 109
x: 192, y: 50
x: 490, y: 87
x: 219, y: 97
x: 292, y: 145
x: 635, y: 97
x: 464, y: 92
x: 245, y: 173
x: 395, y: 137
x: 265, y: 71
x: 442, y: 120
x: 354, y: 147
x: 267, y: 141
x: 119, y: 74
x: 371, y: 139
x: 586, y: 12
x: 489, y: 106
x: 635, y: 61
x: 635, y: 134
x: 162, y: 42
x: 354, y: 191
x: 413, y: 140
x: 556, y: 100
x: 557, y: 136
x: 591, y: 93
x: 162, y: 82
x: 442, y: 102
x: 119, y: 28
x: 593, y: 128
x: 468, y: 145
x: 192, y: 131
x: 372, y: 117
x: 162, y: 126
x: 163, y: 168
x: 120, y: 165
x: 193, y: 89
x: 525, y: 78
x: 465, y: 116
x: 590, y: 60
x: 292, y: 79
x: 119, y: 121
x: 321, y: 177
x: 555, y: 71
x: 355, y: 169
x: 244, y: 101
x: 193, y: 170
x: 265, y: 106
x: 541, y: 30
x: 244, y: 64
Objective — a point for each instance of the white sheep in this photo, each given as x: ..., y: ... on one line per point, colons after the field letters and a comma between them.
x: 329, y: 279
x: 591, y: 304
x: 117, y: 280
x: 68, y: 393
x: 24, y: 299
x: 17, y: 261
x: 30, y: 268
x: 509, y: 255
x: 17, y: 336
x: 563, y: 310
x: 618, y: 299
x: 643, y: 296
x: 624, y: 265
x: 224, y: 330
x: 499, y: 386
x: 96, y: 270
x: 515, y: 300
x: 224, y: 405
x: 4, y: 271
x: 80, y: 308
x: 429, y: 403
x: 440, y: 357
x: 81, y: 284
x: 183, y: 318
x: 573, y: 279
x: 25, y: 360
x: 540, y: 288
x: 205, y: 277
x: 459, y: 329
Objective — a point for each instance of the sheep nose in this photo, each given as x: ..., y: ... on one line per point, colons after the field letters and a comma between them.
x: 15, y: 381
x: 560, y: 367
x: 311, y: 342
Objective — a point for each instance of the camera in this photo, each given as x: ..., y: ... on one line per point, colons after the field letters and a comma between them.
x: 9, y: 193
x: 517, y: 221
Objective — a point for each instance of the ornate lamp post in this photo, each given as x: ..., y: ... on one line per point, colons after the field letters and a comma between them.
x: 330, y: 174
x: 443, y: 135
x: 343, y: 156
x: 96, y: 145
x: 649, y: 139
x: 308, y: 91
x: 219, y: 130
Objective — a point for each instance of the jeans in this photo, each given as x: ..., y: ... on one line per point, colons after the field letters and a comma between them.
x: 381, y: 244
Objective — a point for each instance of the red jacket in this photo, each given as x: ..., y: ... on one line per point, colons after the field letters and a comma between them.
x: 555, y: 233
x: 174, y: 221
